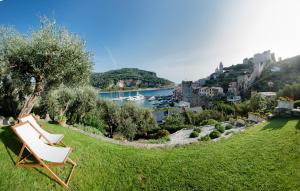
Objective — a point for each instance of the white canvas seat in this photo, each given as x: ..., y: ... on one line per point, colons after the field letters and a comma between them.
x: 46, y: 152
x: 46, y: 137
x: 54, y: 156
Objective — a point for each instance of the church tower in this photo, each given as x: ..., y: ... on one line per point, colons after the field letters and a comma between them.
x: 221, y: 67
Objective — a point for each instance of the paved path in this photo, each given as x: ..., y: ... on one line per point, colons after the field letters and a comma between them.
x: 181, y: 137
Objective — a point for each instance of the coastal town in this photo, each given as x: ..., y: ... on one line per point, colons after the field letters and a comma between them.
x: 149, y: 95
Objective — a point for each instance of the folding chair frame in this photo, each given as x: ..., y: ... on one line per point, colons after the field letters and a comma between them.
x: 21, y: 162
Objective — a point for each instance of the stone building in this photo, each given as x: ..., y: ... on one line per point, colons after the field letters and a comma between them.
x: 187, y: 90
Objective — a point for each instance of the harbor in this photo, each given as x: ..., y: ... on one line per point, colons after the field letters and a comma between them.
x: 156, y: 98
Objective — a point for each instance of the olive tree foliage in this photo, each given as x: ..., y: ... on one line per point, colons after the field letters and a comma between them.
x: 58, y: 101
x: 135, y: 121
x: 84, y: 102
x: 73, y: 103
x: 110, y: 113
x: 45, y: 58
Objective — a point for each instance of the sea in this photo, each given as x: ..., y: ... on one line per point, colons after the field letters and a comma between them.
x: 142, y: 103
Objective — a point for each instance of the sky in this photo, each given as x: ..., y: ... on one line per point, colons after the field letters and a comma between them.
x: 177, y: 39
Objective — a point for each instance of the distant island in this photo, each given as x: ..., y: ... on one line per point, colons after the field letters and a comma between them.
x: 128, y: 79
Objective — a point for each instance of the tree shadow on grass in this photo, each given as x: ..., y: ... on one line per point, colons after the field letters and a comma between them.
x: 276, y: 124
x: 10, y: 141
x: 13, y: 147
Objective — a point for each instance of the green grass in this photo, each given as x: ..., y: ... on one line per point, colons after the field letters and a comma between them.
x: 264, y: 157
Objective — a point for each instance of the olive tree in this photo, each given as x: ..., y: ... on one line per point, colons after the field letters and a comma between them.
x: 45, y: 58
x: 59, y: 100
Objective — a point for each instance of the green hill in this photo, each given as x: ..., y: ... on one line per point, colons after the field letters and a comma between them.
x: 264, y: 157
x: 132, y: 78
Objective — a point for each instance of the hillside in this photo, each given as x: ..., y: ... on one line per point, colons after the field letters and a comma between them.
x: 132, y: 77
x: 230, y: 74
x: 273, y: 77
x: 289, y: 70
x: 264, y: 157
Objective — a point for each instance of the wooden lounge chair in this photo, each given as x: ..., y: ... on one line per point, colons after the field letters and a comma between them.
x: 46, y: 155
x: 51, y: 139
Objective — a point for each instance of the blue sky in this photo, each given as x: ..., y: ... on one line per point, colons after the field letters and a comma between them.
x: 178, y: 39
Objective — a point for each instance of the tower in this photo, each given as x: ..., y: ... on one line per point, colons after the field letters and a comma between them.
x: 221, y: 67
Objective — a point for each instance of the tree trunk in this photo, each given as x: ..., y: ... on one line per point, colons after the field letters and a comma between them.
x: 29, y: 103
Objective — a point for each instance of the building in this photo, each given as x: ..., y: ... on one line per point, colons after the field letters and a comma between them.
x: 234, y: 99
x: 219, y: 69
x: 260, y: 61
x: 243, y: 82
x: 187, y: 90
x: 264, y: 94
x: 177, y: 93
x: 210, y: 91
x: 183, y: 104
x: 233, y: 89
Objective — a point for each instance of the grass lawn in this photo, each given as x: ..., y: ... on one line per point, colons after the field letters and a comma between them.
x: 264, y: 157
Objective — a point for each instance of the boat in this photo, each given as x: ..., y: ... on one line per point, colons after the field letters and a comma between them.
x: 138, y: 97
x: 152, y: 98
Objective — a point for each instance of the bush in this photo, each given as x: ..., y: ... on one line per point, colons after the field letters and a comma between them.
x: 197, y: 129
x: 209, y: 122
x: 94, y: 119
x: 215, y: 134
x: 194, y: 134
x: 174, y: 128
x: 127, y: 128
x: 199, y: 117
x: 240, y: 123
x: 175, y: 119
x: 228, y: 126
x: 162, y: 133
x: 297, y: 104
x: 205, y: 138
x: 220, y: 127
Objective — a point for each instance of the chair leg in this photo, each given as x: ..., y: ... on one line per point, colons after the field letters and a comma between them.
x: 20, y: 154
x: 57, y: 178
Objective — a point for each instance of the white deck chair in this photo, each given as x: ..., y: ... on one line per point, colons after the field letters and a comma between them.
x: 46, y: 155
x: 52, y: 139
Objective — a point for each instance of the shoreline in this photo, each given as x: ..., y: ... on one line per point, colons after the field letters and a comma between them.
x: 133, y: 90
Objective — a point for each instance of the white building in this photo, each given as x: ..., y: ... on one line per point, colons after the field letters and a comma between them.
x: 210, y: 91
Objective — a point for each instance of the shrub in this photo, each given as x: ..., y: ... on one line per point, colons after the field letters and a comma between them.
x: 209, y: 122
x: 228, y: 126
x: 197, y: 129
x: 215, y: 134
x: 94, y: 119
x: 127, y: 128
x: 199, y: 117
x: 297, y: 104
x: 194, y: 134
x: 175, y: 119
x: 188, y: 117
x: 111, y: 114
x: 162, y: 133
x: 84, y: 102
x: 174, y: 128
x: 290, y: 90
x: 220, y: 127
x: 205, y: 138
